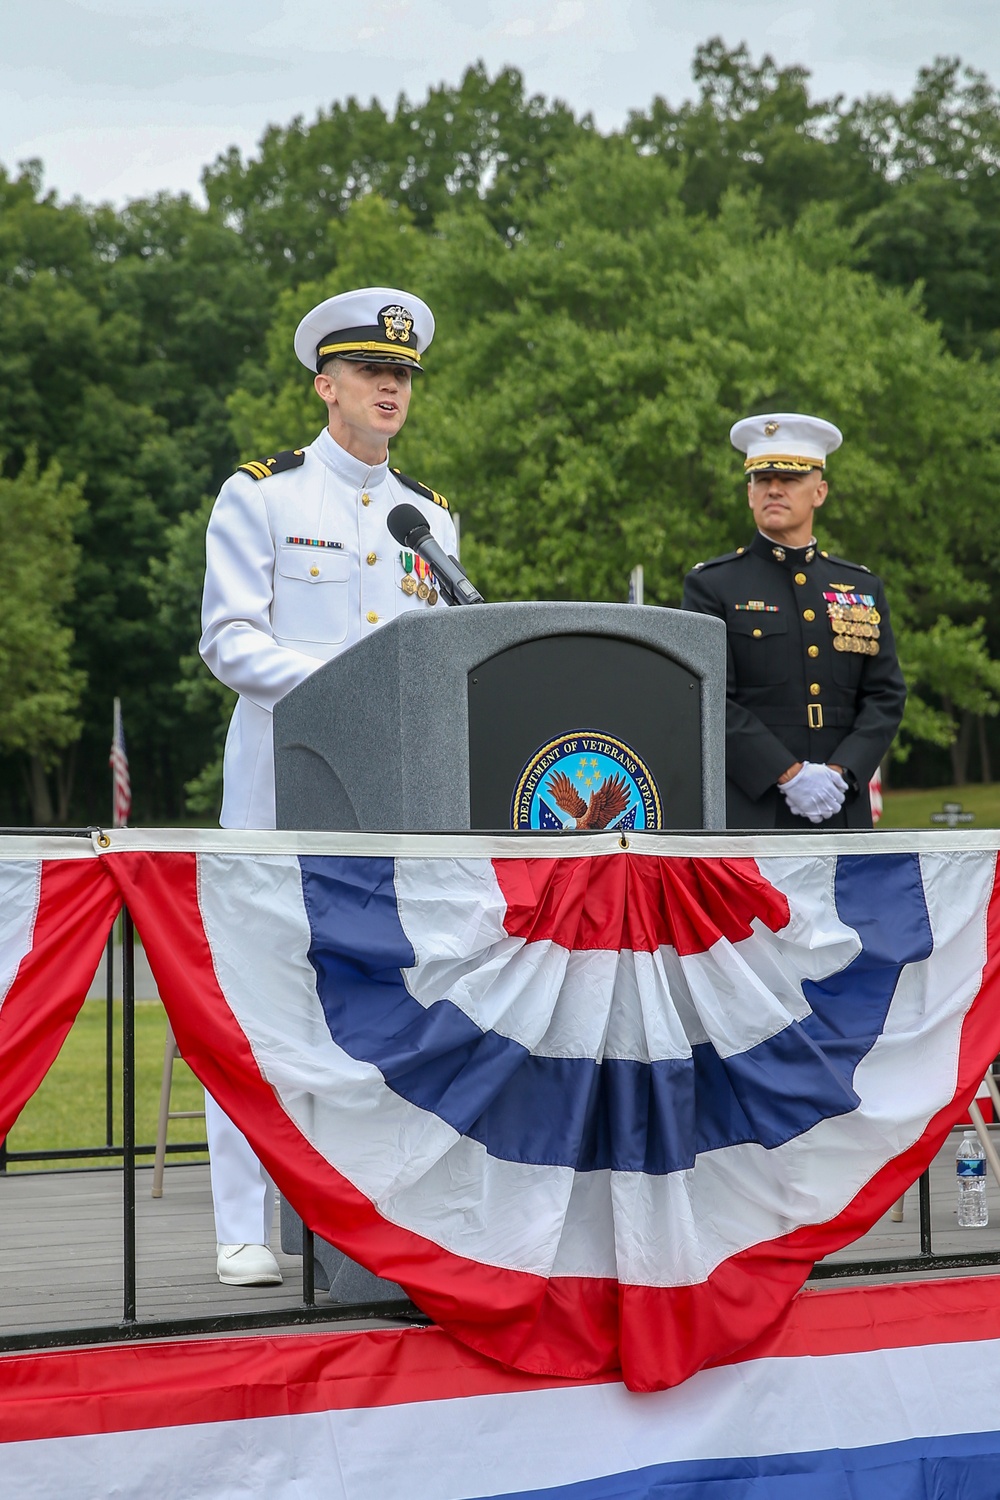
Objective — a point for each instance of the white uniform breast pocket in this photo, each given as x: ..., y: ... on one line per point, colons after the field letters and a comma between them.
x: 311, y: 595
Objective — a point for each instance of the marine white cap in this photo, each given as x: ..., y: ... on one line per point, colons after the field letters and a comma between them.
x: 786, y: 441
x: 376, y: 324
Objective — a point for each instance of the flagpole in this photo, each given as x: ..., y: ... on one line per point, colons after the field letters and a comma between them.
x: 109, y: 993
x: 116, y: 729
x: 121, y: 806
x: 121, y: 788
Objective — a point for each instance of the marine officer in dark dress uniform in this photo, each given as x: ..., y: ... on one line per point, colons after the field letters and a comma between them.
x: 815, y: 692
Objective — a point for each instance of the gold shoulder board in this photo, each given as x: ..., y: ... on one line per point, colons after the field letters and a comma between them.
x: 263, y: 468
x: 422, y: 489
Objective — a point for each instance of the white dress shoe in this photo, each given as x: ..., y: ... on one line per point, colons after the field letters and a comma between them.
x: 247, y: 1265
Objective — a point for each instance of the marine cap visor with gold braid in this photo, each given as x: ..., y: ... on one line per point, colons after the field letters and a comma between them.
x: 374, y: 325
x: 785, y: 442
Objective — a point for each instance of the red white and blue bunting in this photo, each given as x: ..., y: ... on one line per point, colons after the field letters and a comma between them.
x: 857, y: 1394
x: 596, y: 1109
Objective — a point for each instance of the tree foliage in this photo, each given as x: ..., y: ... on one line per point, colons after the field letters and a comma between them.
x: 40, y: 689
x: 484, y: 142
x: 754, y: 126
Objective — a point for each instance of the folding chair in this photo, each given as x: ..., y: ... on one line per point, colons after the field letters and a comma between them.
x: 170, y: 1052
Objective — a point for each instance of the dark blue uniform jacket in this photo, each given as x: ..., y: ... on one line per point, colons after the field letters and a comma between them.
x: 793, y: 692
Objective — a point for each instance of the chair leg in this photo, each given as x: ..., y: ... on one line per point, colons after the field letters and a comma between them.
x: 169, y: 1053
x: 989, y: 1150
x: 991, y: 1084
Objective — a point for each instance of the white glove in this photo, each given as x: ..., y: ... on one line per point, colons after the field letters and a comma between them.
x: 816, y: 792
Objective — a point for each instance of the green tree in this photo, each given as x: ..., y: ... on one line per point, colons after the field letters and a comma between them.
x: 623, y: 338
x: 202, y: 304
x: 485, y: 141
x: 40, y: 690
x: 949, y: 124
x: 939, y: 221
x: 120, y: 338
x: 584, y: 377
x: 917, y: 179
x: 755, y: 126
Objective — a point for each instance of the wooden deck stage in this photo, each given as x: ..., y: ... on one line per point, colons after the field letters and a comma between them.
x: 61, y: 1253
x: 61, y: 1238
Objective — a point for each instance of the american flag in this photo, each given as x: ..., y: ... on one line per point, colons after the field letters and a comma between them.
x: 121, y: 796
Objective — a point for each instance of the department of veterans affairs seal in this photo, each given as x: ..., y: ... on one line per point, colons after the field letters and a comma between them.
x: 585, y: 779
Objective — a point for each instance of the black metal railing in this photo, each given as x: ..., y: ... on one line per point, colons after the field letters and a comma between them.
x: 108, y: 1148
x: 927, y: 1260
x: 307, y: 1311
x: 131, y: 1326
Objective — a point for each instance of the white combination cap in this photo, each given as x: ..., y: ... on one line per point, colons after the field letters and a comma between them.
x: 377, y: 324
x: 786, y: 441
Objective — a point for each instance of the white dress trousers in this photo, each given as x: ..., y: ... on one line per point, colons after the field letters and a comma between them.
x: 299, y: 566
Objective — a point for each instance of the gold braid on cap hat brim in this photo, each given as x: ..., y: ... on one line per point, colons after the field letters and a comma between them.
x: 403, y: 356
x: 792, y: 462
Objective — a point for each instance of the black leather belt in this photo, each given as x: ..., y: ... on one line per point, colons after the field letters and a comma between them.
x: 809, y: 716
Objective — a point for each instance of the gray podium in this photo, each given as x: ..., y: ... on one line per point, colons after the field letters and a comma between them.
x: 427, y: 725
x: 456, y: 719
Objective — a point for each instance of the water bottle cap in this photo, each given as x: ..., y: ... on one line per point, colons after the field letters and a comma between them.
x: 968, y: 1135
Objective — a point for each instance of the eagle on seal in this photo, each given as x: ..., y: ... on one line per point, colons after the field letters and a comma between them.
x: 607, y: 802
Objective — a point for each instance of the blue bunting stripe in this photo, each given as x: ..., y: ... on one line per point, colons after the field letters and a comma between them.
x: 615, y: 1114
x: 960, y: 1467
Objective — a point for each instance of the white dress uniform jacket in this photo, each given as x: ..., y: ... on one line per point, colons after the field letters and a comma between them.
x: 276, y: 608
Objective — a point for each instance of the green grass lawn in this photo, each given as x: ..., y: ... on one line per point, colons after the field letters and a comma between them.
x: 912, y: 809
x: 68, y: 1109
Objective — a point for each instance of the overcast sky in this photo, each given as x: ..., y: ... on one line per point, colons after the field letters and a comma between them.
x: 122, y: 98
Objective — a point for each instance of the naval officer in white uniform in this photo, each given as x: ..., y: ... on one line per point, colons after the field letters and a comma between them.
x: 299, y: 566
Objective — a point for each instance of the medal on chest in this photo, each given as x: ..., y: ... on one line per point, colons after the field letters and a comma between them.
x: 408, y: 582
x: 854, y: 621
x: 418, y: 578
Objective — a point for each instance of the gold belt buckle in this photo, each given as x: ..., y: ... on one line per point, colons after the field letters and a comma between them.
x: 814, y: 713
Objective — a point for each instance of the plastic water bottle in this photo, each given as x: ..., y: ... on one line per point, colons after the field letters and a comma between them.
x: 970, y: 1166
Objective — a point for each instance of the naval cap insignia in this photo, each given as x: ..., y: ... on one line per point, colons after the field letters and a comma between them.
x: 770, y: 428
x: 397, y: 322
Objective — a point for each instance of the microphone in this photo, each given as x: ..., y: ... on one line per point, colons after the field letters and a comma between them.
x: 410, y: 529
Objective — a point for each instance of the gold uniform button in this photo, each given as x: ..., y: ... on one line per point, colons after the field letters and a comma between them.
x: 372, y: 559
x: 813, y: 650
x: 372, y: 619
x: 808, y: 614
x: 366, y: 499
x: 314, y: 572
x: 814, y: 688
x: 800, y: 578
x: 758, y: 634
